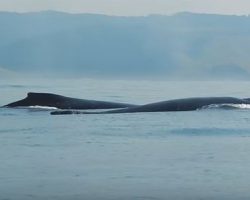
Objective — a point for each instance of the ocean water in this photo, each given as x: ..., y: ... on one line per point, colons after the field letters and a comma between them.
x: 203, y: 154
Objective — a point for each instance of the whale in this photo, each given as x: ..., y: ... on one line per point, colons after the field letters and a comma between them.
x: 185, y: 104
x: 63, y: 102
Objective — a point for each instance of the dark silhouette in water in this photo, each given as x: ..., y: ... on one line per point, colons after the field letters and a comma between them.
x: 73, y: 105
x: 187, y: 104
x: 62, y: 102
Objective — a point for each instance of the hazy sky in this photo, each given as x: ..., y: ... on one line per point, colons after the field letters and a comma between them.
x: 130, y: 7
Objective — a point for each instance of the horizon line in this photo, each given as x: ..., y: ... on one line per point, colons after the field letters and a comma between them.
x: 113, y: 15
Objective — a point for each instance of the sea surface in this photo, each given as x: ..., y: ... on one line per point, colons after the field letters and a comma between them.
x: 203, y: 154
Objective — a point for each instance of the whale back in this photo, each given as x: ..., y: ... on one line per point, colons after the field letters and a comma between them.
x: 62, y: 102
x: 187, y: 104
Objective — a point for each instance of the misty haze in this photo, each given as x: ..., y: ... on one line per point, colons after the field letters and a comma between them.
x: 182, y: 46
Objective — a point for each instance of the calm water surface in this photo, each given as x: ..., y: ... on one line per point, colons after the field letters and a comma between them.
x: 177, y: 155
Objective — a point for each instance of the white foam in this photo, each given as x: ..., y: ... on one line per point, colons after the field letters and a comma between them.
x: 241, y: 106
x: 227, y: 106
x: 43, y: 107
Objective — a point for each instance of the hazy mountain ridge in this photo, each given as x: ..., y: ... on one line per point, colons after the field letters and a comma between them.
x: 183, y: 45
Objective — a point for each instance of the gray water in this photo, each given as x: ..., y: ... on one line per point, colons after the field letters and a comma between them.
x: 202, y: 154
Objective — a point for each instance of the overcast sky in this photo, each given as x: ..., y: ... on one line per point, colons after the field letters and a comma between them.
x: 130, y: 7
